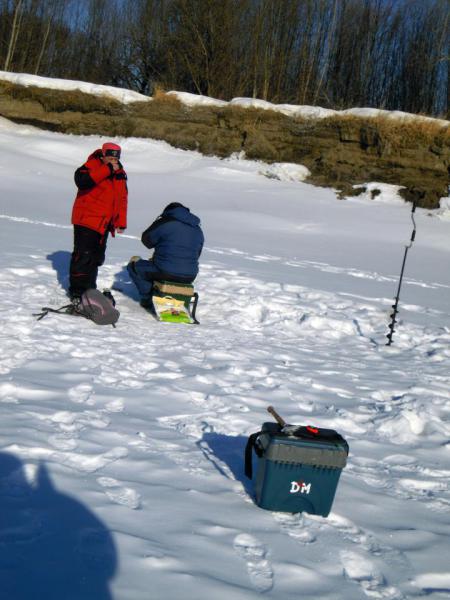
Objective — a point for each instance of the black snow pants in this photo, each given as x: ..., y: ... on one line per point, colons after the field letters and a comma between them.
x: 88, y: 255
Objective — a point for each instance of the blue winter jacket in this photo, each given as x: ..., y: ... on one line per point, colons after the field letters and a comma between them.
x: 177, y: 240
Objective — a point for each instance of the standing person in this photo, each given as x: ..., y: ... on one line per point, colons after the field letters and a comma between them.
x: 100, y: 207
x: 177, y: 240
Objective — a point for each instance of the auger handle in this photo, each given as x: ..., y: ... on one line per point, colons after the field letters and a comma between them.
x: 276, y: 416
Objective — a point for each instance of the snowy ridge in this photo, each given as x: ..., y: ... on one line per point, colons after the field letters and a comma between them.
x: 291, y: 110
x: 133, y: 437
x: 302, y: 111
x: 51, y: 83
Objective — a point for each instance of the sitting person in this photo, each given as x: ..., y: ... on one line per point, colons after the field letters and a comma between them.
x: 177, y: 240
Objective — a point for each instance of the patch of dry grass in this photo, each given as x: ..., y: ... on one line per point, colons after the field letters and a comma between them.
x: 252, y: 116
x: 161, y: 96
x: 398, y: 132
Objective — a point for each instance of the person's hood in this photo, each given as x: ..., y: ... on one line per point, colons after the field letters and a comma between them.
x: 183, y: 214
x: 96, y: 154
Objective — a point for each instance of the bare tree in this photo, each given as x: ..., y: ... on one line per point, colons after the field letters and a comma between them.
x: 385, y: 53
x: 18, y: 12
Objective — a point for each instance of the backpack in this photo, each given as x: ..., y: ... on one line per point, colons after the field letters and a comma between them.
x: 98, y: 308
x: 93, y: 305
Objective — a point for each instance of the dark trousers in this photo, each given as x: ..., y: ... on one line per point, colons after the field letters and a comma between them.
x: 88, y: 254
x: 144, y: 273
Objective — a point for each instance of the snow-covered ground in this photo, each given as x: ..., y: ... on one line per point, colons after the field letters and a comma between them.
x: 121, y: 468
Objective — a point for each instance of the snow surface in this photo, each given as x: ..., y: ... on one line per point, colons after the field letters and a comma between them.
x: 121, y: 472
x: 444, y: 208
x: 380, y: 192
x: 291, y: 110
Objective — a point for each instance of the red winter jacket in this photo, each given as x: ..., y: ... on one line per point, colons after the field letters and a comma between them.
x: 101, y: 202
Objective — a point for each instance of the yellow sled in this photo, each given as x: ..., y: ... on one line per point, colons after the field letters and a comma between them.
x: 174, y: 302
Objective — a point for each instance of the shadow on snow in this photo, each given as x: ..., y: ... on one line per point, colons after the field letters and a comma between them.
x: 61, y: 262
x: 229, y: 450
x: 51, y: 546
x: 122, y: 283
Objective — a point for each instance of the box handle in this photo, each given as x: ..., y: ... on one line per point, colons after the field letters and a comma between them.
x: 251, y: 445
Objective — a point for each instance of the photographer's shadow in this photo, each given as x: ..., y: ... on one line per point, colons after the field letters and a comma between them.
x: 229, y: 450
x: 51, y: 546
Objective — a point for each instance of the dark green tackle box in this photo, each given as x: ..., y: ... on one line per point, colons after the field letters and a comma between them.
x: 297, y: 471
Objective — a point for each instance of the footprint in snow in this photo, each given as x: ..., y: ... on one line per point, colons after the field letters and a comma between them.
x: 364, y: 564
x: 361, y: 569
x: 119, y: 494
x: 191, y: 462
x: 116, y: 405
x: 81, y: 394
x: 188, y: 425
x: 403, y: 477
x: 68, y: 421
x: 143, y: 443
x: 63, y: 441
x: 294, y: 526
x: 365, y: 540
x: 254, y: 553
x: 90, y: 463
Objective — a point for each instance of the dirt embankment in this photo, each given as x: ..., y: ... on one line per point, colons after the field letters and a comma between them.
x: 340, y: 151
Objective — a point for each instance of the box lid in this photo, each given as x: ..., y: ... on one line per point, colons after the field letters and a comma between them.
x: 297, y: 450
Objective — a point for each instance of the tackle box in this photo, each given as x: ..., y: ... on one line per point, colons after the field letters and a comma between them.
x: 297, y: 469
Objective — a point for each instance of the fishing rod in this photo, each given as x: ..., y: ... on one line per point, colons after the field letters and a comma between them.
x: 397, y: 298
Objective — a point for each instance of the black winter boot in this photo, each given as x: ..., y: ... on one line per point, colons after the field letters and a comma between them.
x: 107, y: 294
x: 76, y: 304
x: 146, y: 302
